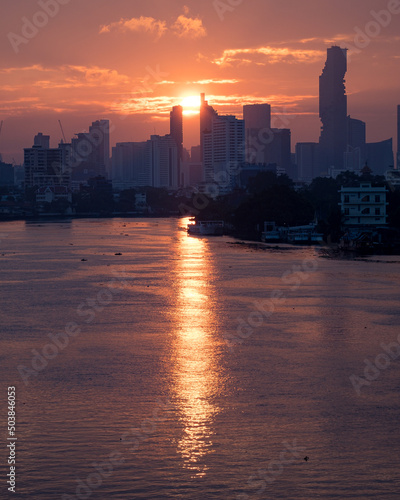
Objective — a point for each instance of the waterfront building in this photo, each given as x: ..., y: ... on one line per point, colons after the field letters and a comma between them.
x: 364, y: 205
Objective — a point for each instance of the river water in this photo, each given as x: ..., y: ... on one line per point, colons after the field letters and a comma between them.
x: 195, y: 368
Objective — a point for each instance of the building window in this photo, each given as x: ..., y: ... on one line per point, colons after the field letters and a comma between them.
x: 377, y: 198
x: 366, y: 211
x: 377, y: 211
x: 346, y: 211
x: 346, y: 198
x: 366, y: 198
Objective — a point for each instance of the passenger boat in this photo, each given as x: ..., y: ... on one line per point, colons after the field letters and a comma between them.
x: 206, y: 228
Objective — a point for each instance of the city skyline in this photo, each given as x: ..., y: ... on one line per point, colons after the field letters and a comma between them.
x: 187, y: 49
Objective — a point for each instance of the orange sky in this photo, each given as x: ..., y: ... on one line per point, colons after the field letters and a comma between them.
x: 131, y: 61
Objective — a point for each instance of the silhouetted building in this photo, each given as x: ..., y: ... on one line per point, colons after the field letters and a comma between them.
x: 279, y: 149
x: 333, y: 109
x: 6, y: 175
x: 129, y: 168
x: 176, y: 132
x: 257, y: 120
x: 355, y: 155
x: 45, y: 166
x: 162, y: 161
x: 42, y: 141
x: 250, y: 170
x: 91, y: 152
x: 195, y: 154
x: 380, y: 156
x: 151, y: 163
x: 223, y: 152
x: 207, y: 113
x: 307, y: 161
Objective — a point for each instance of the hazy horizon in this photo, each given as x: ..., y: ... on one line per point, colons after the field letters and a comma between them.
x: 112, y: 60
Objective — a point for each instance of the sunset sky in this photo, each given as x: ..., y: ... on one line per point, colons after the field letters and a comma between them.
x: 131, y: 61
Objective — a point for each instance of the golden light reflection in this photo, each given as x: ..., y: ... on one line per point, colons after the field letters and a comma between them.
x: 196, y: 375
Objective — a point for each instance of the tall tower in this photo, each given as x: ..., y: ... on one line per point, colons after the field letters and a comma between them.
x: 257, y: 120
x: 223, y: 152
x: 333, y: 108
x: 176, y: 132
x: 99, y: 132
x: 207, y: 113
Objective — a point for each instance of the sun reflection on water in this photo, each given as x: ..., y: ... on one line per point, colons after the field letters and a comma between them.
x: 196, y: 374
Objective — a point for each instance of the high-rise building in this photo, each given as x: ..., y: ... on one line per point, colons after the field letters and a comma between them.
x: 355, y: 154
x: 279, y: 149
x: 333, y: 109
x: 380, y: 156
x: 162, y: 161
x: 176, y: 132
x: 129, y: 168
x: 307, y: 161
x: 100, y: 131
x: 6, y: 174
x: 207, y: 113
x: 44, y: 166
x: 150, y: 163
x: 257, y: 120
x: 91, y: 151
x: 223, y: 152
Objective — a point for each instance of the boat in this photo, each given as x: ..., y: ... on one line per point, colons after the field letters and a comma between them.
x: 206, y: 228
x: 271, y: 233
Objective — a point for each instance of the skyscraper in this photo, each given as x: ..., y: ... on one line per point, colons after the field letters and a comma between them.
x: 307, y: 161
x: 279, y: 150
x: 176, y: 132
x: 355, y: 155
x: 207, y: 113
x: 44, y: 166
x: 162, y: 161
x: 380, y: 156
x: 257, y: 119
x: 333, y: 109
x: 223, y: 152
x: 91, y: 151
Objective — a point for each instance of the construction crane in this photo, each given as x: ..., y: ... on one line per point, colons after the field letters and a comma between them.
x: 62, y: 131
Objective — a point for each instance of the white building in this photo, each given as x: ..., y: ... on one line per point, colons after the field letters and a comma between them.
x: 55, y: 193
x: 223, y: 152
x: 364, y: 205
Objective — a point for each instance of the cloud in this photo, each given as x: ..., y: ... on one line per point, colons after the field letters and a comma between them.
x: 140, y: 24
x: 183, y: 27
x: 215, y: 80
x: 207, y: 81
x: 18, y: 69
x: 269, y: 55
x: 69, y: 76
x: 188, y: 27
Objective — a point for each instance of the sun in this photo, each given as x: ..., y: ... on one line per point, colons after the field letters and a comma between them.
x: 191, y: 105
